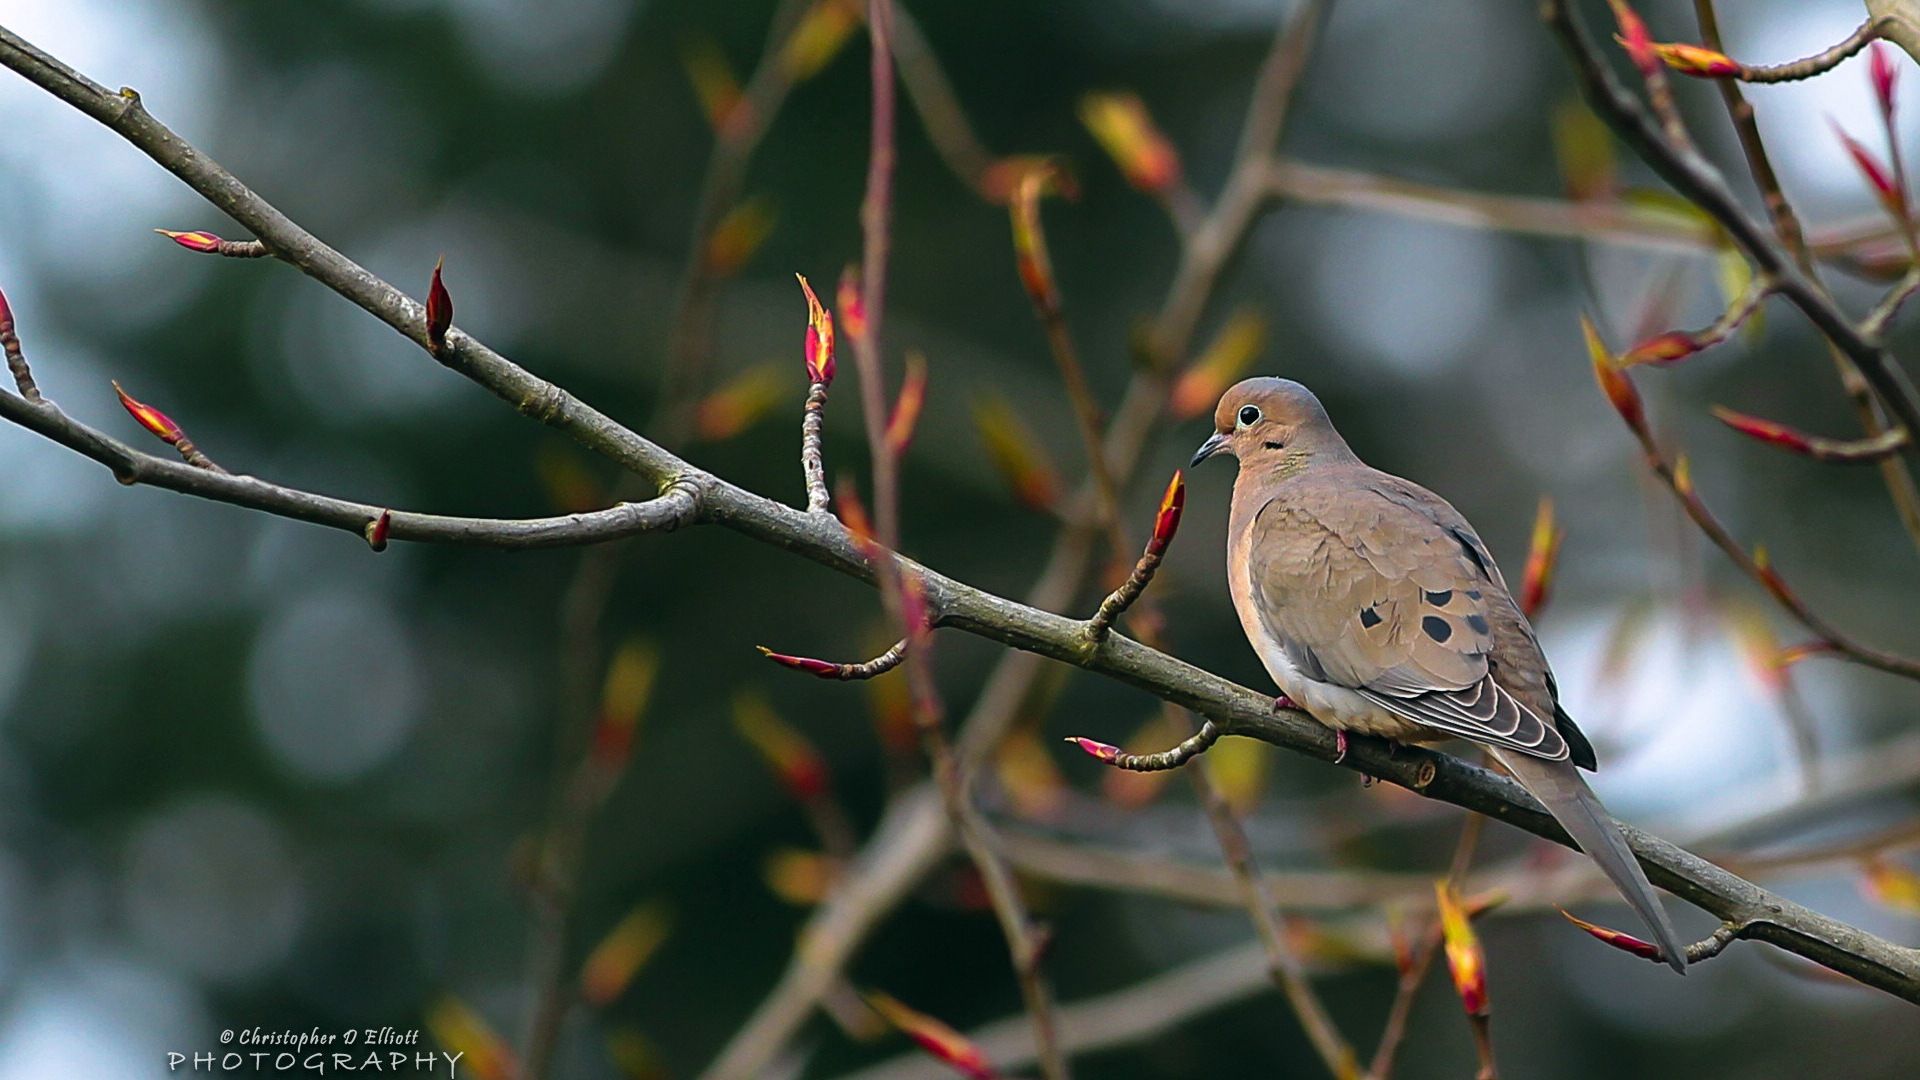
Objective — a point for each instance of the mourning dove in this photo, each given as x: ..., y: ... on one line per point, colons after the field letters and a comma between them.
x: 1376, y: 608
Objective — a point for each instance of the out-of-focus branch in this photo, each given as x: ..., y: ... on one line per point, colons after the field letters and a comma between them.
x: 1676, y: 474
x: 737, y: 135
x: 1894, y: 471
x: 1682, y: 165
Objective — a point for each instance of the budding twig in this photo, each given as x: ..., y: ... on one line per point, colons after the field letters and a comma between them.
x: 210, y: 244
x: 1179, y: 755
x: 164, y: 429
x: 1164, y: 526
x: 1677, y: 345
x: 826, y: 669
x: 818, y: 352
x: 1712, y: 63
x: 1676, y: 475
x: 1819, y: 448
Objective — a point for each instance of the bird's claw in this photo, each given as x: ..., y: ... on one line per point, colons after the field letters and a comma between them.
x: 1340, y: 746
x: 1282, y: 702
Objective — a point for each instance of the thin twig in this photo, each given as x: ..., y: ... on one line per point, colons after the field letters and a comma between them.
x: 1894, y: 471
x: 1819, y: 63
x: 827, y: 669
x: 1694, y: 177
x: 901, y: 591
x: 812, y: 466
x: 1283, y: 964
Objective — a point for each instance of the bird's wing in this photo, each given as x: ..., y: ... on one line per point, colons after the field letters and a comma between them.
x: 1377, y: 585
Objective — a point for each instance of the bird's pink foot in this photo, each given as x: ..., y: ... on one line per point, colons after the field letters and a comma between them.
x: 1340, y: 744
x: 1282, y: 701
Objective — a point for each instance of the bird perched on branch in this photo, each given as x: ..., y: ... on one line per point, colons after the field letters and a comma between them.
x: 1377, y: 609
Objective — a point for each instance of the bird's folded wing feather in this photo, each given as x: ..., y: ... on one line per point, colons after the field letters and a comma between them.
x: 1376, y: 585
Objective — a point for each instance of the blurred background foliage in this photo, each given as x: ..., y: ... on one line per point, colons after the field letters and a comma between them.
x: 255, y: 775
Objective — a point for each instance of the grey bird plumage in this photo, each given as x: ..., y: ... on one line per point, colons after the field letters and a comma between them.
x: 1377, y: 609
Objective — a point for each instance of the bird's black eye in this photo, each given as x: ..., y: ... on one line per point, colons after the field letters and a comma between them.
x: 1249, y: 414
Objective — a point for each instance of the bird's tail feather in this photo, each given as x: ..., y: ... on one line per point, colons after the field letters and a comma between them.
x: 1560, y: 787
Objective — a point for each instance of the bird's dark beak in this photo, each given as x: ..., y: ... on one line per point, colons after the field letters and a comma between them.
x: 1209, y: 448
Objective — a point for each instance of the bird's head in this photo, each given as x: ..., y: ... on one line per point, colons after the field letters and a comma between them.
x: 1269, y: 420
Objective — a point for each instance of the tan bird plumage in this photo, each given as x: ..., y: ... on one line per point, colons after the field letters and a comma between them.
x: 1377, y: 609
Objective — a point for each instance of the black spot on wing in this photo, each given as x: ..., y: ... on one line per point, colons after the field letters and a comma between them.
x: 1369, y: 618
x: 1477, y: 623
x: 1441, y: 598
x: 1436, y: 628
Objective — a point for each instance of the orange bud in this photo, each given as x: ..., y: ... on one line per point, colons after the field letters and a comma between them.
x: 193, y: 241
x: 817, y: 347
x: 1464, y: 957
x: 1893, y: 885
x: 376, y: 530
x: 1766, y: 431
x: 1167, y: 521
x: 1613, y: 378
x: 743, y: 401
x: 613, y: 963
x: 6, y: 314
x: 906, y: 408
x: 1892, y: 199
x: 1101, y: 751
x: 1030, y: 240
x: 623, y: 700
x: 462, y: 1031
x: 1645, y: 950
x: 801, y: 878
x: 1697, y: 60
x: 149, y: 417
x: 800, y: 768
x: 1016, y: 455
x: 818, y: 38
x: 713, y: 80
x: 1634, y: 37
x: 439, y: 310
x: 1661, y: 349
x: 934, y: 1037
x: 852, y: 302
x: 1232, y: 351
x: 739, y: 234
x: 1683, y: 477
x: 1884, y: 74
x: 1126, y: 131
x: 1543, y: 553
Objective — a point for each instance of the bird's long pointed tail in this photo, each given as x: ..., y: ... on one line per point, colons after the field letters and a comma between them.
x: 1564, y: 792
